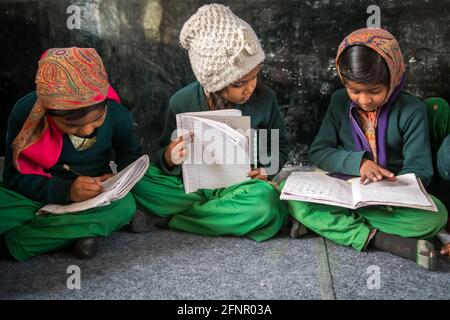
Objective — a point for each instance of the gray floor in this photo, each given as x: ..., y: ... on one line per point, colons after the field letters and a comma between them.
x: 165, y: 264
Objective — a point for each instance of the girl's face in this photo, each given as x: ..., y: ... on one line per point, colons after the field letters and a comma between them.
x: 368, y: 97
x: 84, y: 126
x: 240, y: 91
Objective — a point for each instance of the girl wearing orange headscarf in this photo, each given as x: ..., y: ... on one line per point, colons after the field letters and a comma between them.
x: 375, y: 131
x: 71, y: 120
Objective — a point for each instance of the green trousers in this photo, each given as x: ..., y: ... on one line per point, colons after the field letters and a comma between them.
x: 28, y: 235
x: 352, y: 227
x: 251, y: 208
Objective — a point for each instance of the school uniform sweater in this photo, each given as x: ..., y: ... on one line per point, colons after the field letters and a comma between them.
x: 114, y: 138
x: 407, y: 139
x: 262, y: 108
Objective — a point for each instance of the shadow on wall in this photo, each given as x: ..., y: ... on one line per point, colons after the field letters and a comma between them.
x: 138, y: 41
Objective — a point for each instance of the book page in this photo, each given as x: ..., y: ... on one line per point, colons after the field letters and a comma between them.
x: 214, y: 176
x: 114, y: 188
x: 317, y: 187
x: 224, y: 112
x: 216, y: 158
x: 236, y: 137
x: 405, y: 192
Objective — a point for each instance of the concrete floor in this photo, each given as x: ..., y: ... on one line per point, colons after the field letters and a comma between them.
x: 166, y: 264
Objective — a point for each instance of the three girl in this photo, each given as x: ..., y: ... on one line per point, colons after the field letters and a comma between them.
x: 372, y: 129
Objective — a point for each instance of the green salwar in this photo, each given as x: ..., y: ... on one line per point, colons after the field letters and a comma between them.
x: 352, y: 227
x: 251, y: 208
x: 21, y: 195
x: 27, y: 235
x: 409, y: 151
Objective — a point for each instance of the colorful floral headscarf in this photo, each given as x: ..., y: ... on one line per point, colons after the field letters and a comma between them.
x: 67, y: 79
x: 387, y: 47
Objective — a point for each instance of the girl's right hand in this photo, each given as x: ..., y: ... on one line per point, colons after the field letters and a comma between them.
x: 176, y: 152
x: 84, y: 188
x: 371, y: 171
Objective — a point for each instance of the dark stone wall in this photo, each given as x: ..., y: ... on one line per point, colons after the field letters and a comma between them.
x: 138, y: 41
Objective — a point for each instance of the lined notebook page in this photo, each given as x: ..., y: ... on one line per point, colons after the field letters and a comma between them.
x: 405, y: 190
x: 317, y: 187
x: 211, y: 165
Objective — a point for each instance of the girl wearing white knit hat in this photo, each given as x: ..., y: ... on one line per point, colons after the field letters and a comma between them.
x: 225, y: 56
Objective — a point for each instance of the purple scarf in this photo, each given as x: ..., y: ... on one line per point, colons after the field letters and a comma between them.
x: 361, y: 143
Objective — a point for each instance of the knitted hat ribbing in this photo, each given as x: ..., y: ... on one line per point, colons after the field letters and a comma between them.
x: 222, y: 47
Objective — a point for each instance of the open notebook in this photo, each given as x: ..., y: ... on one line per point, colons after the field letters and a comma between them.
x: 406, y: 191
x: 115, y: 188
x: 220, y: 153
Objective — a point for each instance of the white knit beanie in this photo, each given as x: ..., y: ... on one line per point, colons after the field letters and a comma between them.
x: 222, y: 47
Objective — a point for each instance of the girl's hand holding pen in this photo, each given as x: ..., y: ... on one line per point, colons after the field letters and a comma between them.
x: 85, y: 188
x: 104, y: 177
x: 371, y: 171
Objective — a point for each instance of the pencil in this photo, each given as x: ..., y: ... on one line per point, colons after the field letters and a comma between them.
x: 68, y: 168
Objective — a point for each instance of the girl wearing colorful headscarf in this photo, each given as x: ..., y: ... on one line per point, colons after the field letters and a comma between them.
x: 375, y: 131
x: 68, y: 122
x: 439, y: 123
x: 225, y: 55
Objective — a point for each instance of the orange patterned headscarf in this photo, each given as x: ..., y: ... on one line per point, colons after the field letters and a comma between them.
x: 67, y: 79
x: 385, y: 44
x: 374, y: 124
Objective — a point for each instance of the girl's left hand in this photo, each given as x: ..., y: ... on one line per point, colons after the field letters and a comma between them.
x: 445, y: 250
x: 258, y: 173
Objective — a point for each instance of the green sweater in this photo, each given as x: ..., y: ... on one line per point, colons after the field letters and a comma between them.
x: 262, y: 108
x: 115, y: 135
x: 407, y: 139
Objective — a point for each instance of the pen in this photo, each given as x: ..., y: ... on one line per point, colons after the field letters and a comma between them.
x: 67, y: 168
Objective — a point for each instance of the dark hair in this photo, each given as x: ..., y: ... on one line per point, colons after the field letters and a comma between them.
x: 218, y: 102
x: 77, y: 113
x: 363, y: 65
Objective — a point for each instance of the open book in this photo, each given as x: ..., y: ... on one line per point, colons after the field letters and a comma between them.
x: 115, y: 188
x: 220, y: 152
x: 406, y: 191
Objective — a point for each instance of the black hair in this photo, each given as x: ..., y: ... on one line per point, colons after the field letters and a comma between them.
x: 76, y: 114
x: 363, y: 65
x: 218, y: 102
